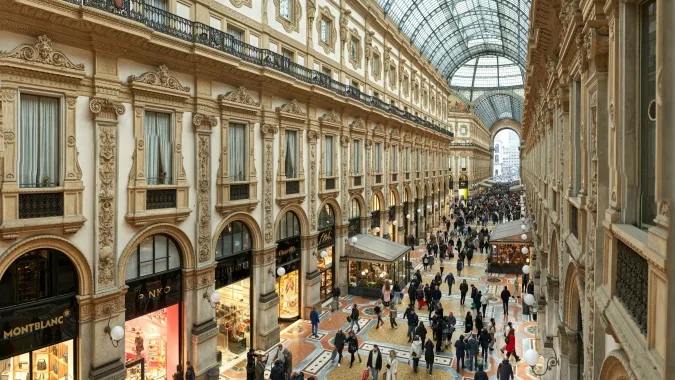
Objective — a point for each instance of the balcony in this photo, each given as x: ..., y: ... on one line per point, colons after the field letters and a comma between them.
x: 40, y: 205
x: 330, y: 183
x: 378, y: 178
x: 292, y: 187
x: 196, y: 32
x: 632, y: 283
x: 471, y: 145
x: 357, y: 181
x: 394, y: 177
x: 160, y: 199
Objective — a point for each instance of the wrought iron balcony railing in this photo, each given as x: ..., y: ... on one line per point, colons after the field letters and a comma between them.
x: 239, y: 192
x: 40, y: 205
x: 632, y: 283
x: 160, y: 199
x: 292, y: 187
x: 192, y: 31
x: 574, y: 221
x: 330, y: 183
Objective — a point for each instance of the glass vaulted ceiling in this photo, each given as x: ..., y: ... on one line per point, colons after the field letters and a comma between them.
x: 479, y: 45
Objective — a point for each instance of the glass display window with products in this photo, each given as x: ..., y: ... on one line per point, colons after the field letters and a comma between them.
x: 325, y: 250
x: 152, y: 337
x: 38, y: 316
x: 288, y: 258
x: 233, y: 284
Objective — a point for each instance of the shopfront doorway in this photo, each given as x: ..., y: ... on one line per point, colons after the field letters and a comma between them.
x: 288, y: 257
x: 39, y: 317
x: 326, y: 250
x: 152, y: 338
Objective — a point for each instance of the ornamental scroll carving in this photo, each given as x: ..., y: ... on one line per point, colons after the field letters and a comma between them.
x: 293, y: 24
x: 312, y: 136
x: 344, y: 140
x: 268, y: 133
x: 293, y: 108
x: 106, y: 109
x: 240, y: 96
x: 41, y: 53
x: 160, y: 78
x: 204, y: 196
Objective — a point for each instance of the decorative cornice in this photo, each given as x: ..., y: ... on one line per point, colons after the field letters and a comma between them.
x: 204, y: 122
x: 41, y: 53
x: 292, y: 108
x: 160, y: 78
x: 330, y: 117
x: 240, y: 96
x: 107, y: 108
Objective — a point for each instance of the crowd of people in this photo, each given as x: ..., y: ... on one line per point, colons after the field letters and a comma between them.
x: 459, y: 238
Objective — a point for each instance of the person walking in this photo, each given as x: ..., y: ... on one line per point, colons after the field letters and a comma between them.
x: 286, y: 357
x: 468, y: 323
x: 378, y: 312
x: 449, y: 279
x: 386, y: 293
x: 354, y: 319
x: 396, y: 289
x: 336, y: 299
x: 469, y: 255
x: 463, y: 289
x: 411, y: 241
x: 479, y: 322
x: 259, y: 368
x: 442, y: 264
x: 462, y: 255
x: 353, y: 347
x: 314, y: 319
x: 425, y: 261
x: 530, y: 288
x: 429, y: 355
x: 190, y: 372
x: 339, y: 341
x: 277, y: 372
x: 516, y: 288
x: 438, y: 334
x: 460, y: 351
x: 484, y: 339
x: 460, y: 266
x: 392, y: 315
x: 505, y: 371
x: 506, y: 295
x: 421, y: 330
x: 511, y: 345
x: 392, y: 365
x: 374, y: 361
x: 472, y: 345
x: 412, y: 292
x: 451, y: 321
x: 492, y: 330
x: 484, y: 302
x: 480, y: 374
x: 416, y: 352
x: 413, y: 320
x: 474, y: 294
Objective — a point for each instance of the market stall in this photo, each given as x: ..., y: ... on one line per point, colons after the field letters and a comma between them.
x: 508, y: 255
x: 372, y: 260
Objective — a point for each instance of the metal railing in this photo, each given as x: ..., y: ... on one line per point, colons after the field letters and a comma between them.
x: 378, y: 178
x: 330, y: 183
x: 192, y: 31
x: 632, y: 283
x: 239, y: 192
x: 293, y: 187
x: 357, y: 181
x: 160, y: 199
x: 40, y: 205
x: 574, y: 221
x: 471, y: 145
x: 394, y: 177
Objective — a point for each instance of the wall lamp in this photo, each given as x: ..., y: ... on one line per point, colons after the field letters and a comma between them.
x: 213, y: 298
x: 531, y: 357
x: 115, y: 333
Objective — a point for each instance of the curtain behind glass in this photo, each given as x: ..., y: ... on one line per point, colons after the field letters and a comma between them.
x: 285, y: 9
x: 394, y: 163
x: 236, y: 142
x: 158, y: 151
x: 291, y: 154
x: 357, y: 156
x: 377, y: 158
x: 39, y: 141
x: 329, y: 156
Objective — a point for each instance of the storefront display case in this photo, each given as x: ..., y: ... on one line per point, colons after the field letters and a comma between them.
x: 507, y: 243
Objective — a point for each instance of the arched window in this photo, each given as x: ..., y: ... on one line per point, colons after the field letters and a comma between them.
x: 38, y: 274
x: 289, y: 226
x: 326, y: 217
x: 392, y: 199
x: 155, y: 254
x: 406, y: 195
x: 234, y: 239
x: 354, y: 209
x: 376, y: 202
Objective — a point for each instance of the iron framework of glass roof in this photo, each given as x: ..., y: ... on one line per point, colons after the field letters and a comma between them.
x: 480, y: 46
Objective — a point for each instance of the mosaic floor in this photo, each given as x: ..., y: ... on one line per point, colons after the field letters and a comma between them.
x: 312, y: 355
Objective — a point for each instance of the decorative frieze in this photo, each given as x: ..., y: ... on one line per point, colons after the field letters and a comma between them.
x: 203, y: 125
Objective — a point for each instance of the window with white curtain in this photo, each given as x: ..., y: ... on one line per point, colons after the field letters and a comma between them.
x: 328, y: 155
x: 156, y: 13
x: 285, y: 9
x: 378, y: 149
x: 237, y: 33
x: 394, y: 158
x: 407, y: 159
x: 463, y: 163
x: 419, y: 160
x: 357, y: 157
x: 353, y: 49
x: 237, y: 147
x: 325, y: 30
x: 291, y: 163
x: 39, y: 135
x: 159, y: 148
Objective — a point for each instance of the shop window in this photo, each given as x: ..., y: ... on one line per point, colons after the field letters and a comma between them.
x: 354, y: 218
x: 647, y: 129
x: 155, y: 254
x: 159, y: 149
x: 39, y: 131
x: 39, y: 288
x: 288, y: 257
x: 326, y: 248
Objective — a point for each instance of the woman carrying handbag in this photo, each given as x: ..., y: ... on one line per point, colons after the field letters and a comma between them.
x: 392, y: 365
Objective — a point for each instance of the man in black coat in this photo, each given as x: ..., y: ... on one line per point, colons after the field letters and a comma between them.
x: 480, y: 374
x: 375, y: 364
x: 278, y: 372
x: 460, y: 348
x: 505, y: 371
x: 506, y: 295
x: 429, y: 355
x: 413, y: 320
x: 474, y: 293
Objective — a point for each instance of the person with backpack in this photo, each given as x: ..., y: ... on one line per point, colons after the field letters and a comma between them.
x: 353, y: 347
x: 354, y: 319
x: 190, y: 372
x: 463, y: 289
x: 449, y: 279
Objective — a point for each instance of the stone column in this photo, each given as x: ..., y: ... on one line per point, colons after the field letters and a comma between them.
x: 201, y: 321
x: 311, y: 287
x: 341, y: 271
x: 264, y: 264
x: 99, y: 356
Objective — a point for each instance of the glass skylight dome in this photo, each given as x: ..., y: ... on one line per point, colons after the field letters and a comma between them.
x: 486, y: 72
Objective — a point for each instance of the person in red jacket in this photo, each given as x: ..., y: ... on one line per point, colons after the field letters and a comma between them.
x: 511, y: 345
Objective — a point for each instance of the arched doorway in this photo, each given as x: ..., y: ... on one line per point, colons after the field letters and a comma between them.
x: 326, y: 248
x: 288, y: 257
x: 39, y: 316
x: 234, y: 312
x: 463, y: 186
x: 153, y: 328
x: 354, y: 218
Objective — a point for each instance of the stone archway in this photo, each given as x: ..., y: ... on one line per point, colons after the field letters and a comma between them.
x: 182, y: 240
x: 505, y: 124
x: 299, y: 212
x: 249, y: 221
x: 334, y: 204
x: 84, y: 273
x: 616, y: 367
x: 553, y: 260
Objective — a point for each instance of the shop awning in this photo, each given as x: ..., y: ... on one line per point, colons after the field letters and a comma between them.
x: 374, y: 248
x: 511, y: 233
x: 485, y: 184
x: 516, y: 188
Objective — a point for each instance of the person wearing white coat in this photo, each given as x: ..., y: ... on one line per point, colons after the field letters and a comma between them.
x: 392, y: 365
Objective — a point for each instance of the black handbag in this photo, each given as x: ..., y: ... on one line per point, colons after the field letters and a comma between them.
x: 41, y: 365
